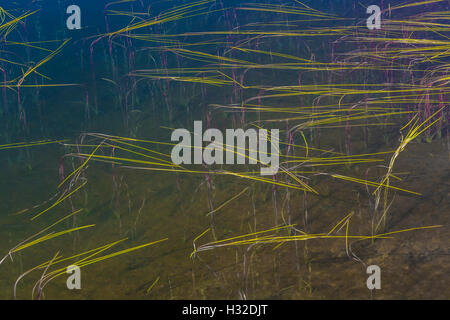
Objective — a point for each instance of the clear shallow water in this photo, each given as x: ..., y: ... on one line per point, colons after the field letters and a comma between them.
x: 145, y: 206
x: 150, y: 208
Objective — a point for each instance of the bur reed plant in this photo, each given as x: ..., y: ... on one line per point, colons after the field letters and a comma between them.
x: 69, y: 186
x: 347, y: 114
x: 265, y: 67
x: 21, y: 64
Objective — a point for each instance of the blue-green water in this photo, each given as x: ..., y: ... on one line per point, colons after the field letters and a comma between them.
x: 95, y: 107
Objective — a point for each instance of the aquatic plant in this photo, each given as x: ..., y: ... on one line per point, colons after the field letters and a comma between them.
x: 338, y: 93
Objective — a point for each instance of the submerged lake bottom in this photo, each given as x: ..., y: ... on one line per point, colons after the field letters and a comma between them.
x: 141, y: 206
